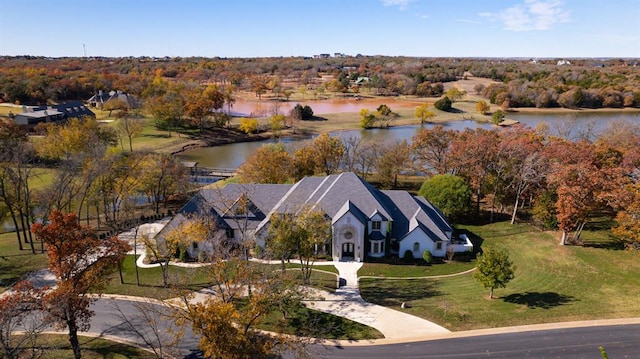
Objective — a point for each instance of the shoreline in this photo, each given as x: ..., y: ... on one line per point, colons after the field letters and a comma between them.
x: 560, y: 110
x: 335, y: 122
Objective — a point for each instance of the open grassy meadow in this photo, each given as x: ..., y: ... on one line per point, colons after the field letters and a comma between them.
x: 553, y: 283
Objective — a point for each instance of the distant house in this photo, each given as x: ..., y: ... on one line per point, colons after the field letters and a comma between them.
x: 322, y: 56
x: 56, y: 113
x: 365, y: 222
x: 362, y: 80
x: 99, y: 99
x: 564, y: 62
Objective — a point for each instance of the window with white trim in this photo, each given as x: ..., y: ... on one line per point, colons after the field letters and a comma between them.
x: 439, y: 245
x: 376, y: 225
x: 416, y: 247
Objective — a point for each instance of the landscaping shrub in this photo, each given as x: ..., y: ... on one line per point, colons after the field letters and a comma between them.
x: 428, y: 258
x: 408, y: 256
x: 257, y: 251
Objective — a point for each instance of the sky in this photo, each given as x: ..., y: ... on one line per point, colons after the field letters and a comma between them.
x: 273, y: 28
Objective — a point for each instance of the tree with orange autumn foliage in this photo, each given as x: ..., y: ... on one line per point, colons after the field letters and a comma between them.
x: 430, y: 150
x: 202, y: 104
x: 80, y: 262
x: 268, y: 164
x: 475, y: 152
x: 587, y: 178
x: 245, y: 294
x: 628, y: 219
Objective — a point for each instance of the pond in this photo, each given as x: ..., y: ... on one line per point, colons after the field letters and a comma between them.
x: 566, y: 125
x: 339, y: 105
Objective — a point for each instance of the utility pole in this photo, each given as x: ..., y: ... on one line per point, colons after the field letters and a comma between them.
x: 84, y: 49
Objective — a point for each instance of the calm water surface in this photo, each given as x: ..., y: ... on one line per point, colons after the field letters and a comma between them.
x: 566, y: 125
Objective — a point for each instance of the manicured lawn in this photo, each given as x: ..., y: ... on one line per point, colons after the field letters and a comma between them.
x: 310, y: 323
x: 413, y: 270
x: 57, y: 346
x: 16, y: 264
x: 326, y: 268
x: 553, y: 283
x: 151, y: 280
x: 194, y: 278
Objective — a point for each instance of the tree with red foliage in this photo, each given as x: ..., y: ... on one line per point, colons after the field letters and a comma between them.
x: 472, y: 155
x: 588, y: 178
x: 19, y: 310
x: 81, y: 262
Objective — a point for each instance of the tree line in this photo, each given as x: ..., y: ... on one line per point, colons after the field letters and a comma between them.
x: 585, y: 83
x: 563, y: 183
x: 82, y: 174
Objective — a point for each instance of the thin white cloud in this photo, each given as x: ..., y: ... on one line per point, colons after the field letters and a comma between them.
x: 400, y: 4
x: 468, y: 21
x: 531, y: 15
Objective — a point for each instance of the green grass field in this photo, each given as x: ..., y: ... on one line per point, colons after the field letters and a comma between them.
x: 310, y: 323
x: 15, y: 264
x: 413, y: 270
x: 194, y: 278
x: 553, y: 283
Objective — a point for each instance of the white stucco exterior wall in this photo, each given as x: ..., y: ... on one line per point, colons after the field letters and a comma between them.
x: 348, y: 222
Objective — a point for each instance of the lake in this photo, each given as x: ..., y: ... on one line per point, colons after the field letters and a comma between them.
x: 571, y: 126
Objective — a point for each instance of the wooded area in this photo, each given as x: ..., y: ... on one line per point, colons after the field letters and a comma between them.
x: 587, y: 83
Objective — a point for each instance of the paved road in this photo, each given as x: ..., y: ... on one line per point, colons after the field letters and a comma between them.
x: 108, y: 321
x: 620, y: 341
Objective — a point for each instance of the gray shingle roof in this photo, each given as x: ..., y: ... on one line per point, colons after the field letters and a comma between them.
x: 335, y: 195
x: 217, y: 201
x: 348, y: 206
x: 406, y: 207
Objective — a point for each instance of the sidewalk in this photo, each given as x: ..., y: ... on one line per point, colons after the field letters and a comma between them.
x: 347, y: 302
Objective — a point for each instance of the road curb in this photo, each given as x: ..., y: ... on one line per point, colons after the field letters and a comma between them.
x: 482, y: 332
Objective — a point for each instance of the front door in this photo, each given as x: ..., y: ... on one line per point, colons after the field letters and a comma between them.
x: 347, y: 250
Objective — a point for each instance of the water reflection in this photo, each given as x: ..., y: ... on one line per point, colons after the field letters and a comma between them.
x: 585, y: 125
x: 267, y: 108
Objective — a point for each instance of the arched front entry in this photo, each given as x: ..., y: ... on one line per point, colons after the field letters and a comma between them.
x: 347, y: 251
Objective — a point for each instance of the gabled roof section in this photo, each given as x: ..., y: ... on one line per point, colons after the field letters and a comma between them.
x: 218, y: 202
x: 349, y: 207
x: 330, y: 196
x: 433, y: 214
x: 382, y: 216
x: 410, y: 212
x: 243, y: 207
x: 415, y: 223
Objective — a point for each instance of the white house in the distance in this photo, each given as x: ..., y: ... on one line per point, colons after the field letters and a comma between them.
x: 365, y: 222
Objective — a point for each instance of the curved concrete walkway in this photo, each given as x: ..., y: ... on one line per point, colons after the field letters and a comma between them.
x: 347, y: 302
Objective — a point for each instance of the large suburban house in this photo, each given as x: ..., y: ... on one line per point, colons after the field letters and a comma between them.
x: 99, y: 99
x: 31, y: 116
x: 365, y: 222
